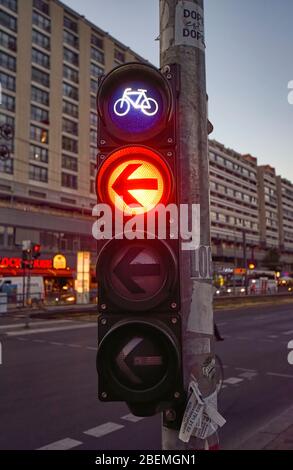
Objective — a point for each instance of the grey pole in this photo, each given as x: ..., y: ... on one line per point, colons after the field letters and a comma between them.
x: 182, y: 42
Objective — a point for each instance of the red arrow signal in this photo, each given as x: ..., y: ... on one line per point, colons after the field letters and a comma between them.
x: 123, y: 184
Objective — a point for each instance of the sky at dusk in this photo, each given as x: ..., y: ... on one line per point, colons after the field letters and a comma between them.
x: 249, y: 64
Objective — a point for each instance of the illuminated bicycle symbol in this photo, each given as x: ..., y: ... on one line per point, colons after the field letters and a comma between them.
x: 137, y: 100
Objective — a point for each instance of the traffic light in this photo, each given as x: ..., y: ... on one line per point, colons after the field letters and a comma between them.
x: 139, y: 326
x: 36, y: 250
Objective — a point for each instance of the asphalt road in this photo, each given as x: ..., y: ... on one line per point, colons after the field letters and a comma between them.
x: 48, y: 384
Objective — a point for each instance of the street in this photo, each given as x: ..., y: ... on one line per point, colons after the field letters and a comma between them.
x: 48, y: 383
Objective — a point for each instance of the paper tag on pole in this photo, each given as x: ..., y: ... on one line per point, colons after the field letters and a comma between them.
x: 201, y: 418
x: 211, y: 418
x: 193, y: 412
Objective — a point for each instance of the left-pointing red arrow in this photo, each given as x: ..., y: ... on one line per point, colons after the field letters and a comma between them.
x: 123, y: 184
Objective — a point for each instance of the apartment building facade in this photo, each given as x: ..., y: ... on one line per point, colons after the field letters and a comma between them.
x: 50, y: 62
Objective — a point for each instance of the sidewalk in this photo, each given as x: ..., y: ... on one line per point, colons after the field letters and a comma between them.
x: 277, y: 435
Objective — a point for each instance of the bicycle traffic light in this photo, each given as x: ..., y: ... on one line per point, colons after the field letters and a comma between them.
x: 139, y: 337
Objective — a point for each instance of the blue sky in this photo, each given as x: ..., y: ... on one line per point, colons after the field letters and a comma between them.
x: 249, y: 64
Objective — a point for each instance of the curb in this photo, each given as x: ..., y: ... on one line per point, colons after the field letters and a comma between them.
x: 274, y: 435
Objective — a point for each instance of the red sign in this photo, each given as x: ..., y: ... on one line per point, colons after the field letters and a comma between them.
x: 15, y: 263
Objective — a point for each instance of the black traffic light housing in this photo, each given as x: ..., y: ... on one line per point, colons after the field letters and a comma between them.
x: 139, y: 325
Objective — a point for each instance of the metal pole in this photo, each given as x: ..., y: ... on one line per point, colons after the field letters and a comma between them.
x: 196, y: 289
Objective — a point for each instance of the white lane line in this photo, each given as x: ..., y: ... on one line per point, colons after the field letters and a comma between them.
x: 54, y: 343
x: 91, y: 348
x: 248, y: 375
x: 22, y: 339
x: 132, y: 418
x: 276, y: 374
x: 290, y: 332
x: 36, y: 340
x: 103, y: 429
x: 49, y: 330
x: 273, y: 336
x: 245, y: 370
x: 233, y: 380
x: 244, y: 338
x: 64, y: 444
x: 74, y: 345
x: 37, y: 323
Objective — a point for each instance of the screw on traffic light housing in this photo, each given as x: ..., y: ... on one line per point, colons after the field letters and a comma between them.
x: 139, y: 328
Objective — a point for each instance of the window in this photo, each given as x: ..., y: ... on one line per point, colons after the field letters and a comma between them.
x: 70, y: 74
x: 69, y: 144
x: 70, y: 39
x: 94, y: 86
x: 41, y: 40
x: 5, y: 119
x: 70, y: 56
x: 39, y: 134
x: 92, y: 186
x: 40, y: 96
x: 70, y: 127
x: 41, y: 21
x: 70, y: 109
x: 96, y: 71
x: 10, y: 4
x: 40, y: 58
x: 38, y: 173
x: 93, y: 153
x: 93, y: 102
x: 92, y: 169
x: 8, y: 41
x: 8, y: 102
x: 6, y: 166
x: 40, y: 77
x: 97, y: 55
x: 70, y: 91
x: 93, y: 119
x: 69, y: 163
x: 68, y: 180
x: 119, y: 55
x: 39, y: 114
x: 39, y: 154
x: 93, y: 137
x: 7, y: 61
x: 41, y: 6
x: 70, y: 24
x: 8, y: 21
x: 7, y: 82
x: 97, y: 41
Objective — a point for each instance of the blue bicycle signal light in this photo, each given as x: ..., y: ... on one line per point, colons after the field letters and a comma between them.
x: 134, y: 102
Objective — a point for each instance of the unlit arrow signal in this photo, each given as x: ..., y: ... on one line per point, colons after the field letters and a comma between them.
x: 123, y: 184
x: 126, y: 271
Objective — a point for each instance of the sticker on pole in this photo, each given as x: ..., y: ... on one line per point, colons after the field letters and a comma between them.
x: 189, y: 25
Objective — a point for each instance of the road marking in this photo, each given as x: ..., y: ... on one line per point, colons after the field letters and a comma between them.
x: 290, y: 332
x: 54, y: 343
x: 74, y: 345
x: 264, y: 340
x: 103, y: 429
x: 244, y: 338
x: 92, y: 348
x: 273, y: 336
x: 276, y: 374
x: 64, y: 444
x: 132, y: 418
x: 233, y: 380
x: 248, y: 375
x: 49, y: 330
x: 37, y: 340
x: 37, y: 323
x: 22, y: 339
x: 245, y: 370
